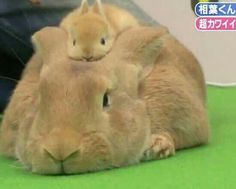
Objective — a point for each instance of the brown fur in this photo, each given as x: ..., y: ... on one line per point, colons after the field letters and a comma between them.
x: 86, y: 27
x: 157, y: 93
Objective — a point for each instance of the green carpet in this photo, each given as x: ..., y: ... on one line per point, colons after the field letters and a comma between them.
x: 212, y: 166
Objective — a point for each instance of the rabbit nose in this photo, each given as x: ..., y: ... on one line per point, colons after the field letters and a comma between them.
x: 58, y: 155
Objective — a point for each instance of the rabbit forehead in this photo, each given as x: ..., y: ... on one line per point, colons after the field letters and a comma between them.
x: 75, y: 80
x: 81, y: 74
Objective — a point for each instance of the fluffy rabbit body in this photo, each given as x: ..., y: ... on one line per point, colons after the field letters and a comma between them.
x: 144, y: 100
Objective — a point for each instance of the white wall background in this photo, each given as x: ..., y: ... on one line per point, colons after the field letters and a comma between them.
x: 216, y: 51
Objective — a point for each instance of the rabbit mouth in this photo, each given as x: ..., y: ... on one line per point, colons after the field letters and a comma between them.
x: 93, y: 153
x: 70, y: 167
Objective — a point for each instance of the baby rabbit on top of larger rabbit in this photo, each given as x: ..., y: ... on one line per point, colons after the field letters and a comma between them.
x: 93, y: 30
x: 144, y: 100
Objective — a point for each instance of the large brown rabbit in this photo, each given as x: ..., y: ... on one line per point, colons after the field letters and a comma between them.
x: 143, y: 101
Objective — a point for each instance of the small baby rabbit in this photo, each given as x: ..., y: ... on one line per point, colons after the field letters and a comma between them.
x: 92, y: 30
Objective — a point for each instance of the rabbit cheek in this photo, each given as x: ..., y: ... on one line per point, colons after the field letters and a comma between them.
x: 75, y: 52
x: 130, y: 134
x: 34, y: 159
x: 95, y: 154
x: 101, y: 51
x: 42, y: 164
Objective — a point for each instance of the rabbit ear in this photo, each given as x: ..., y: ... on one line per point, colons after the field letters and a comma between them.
x: 46, y: 40
x: 98, y: 8
x: 148, y: 56
x: 141, y: 46
x: 84, y: 7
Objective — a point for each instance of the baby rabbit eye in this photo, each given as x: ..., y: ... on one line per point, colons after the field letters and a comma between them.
x: 103, y: 41
x: 74, y: 42
x: 106, y: 101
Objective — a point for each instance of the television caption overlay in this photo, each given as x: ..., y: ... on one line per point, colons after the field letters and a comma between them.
x: 216, y: 16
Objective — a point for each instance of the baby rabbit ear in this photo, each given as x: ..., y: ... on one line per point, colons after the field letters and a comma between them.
x: 98, y: 8
x: 47, y: 39
x: 84, y: 7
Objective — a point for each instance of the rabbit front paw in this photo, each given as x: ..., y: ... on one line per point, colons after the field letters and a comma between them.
x: 161, y: 147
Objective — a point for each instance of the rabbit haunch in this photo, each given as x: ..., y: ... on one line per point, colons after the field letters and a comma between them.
x: 57, y: 121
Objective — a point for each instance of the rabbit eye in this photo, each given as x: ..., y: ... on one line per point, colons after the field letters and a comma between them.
x: 103, y: 41
x: 106, y: 101
x: 74, y: 42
